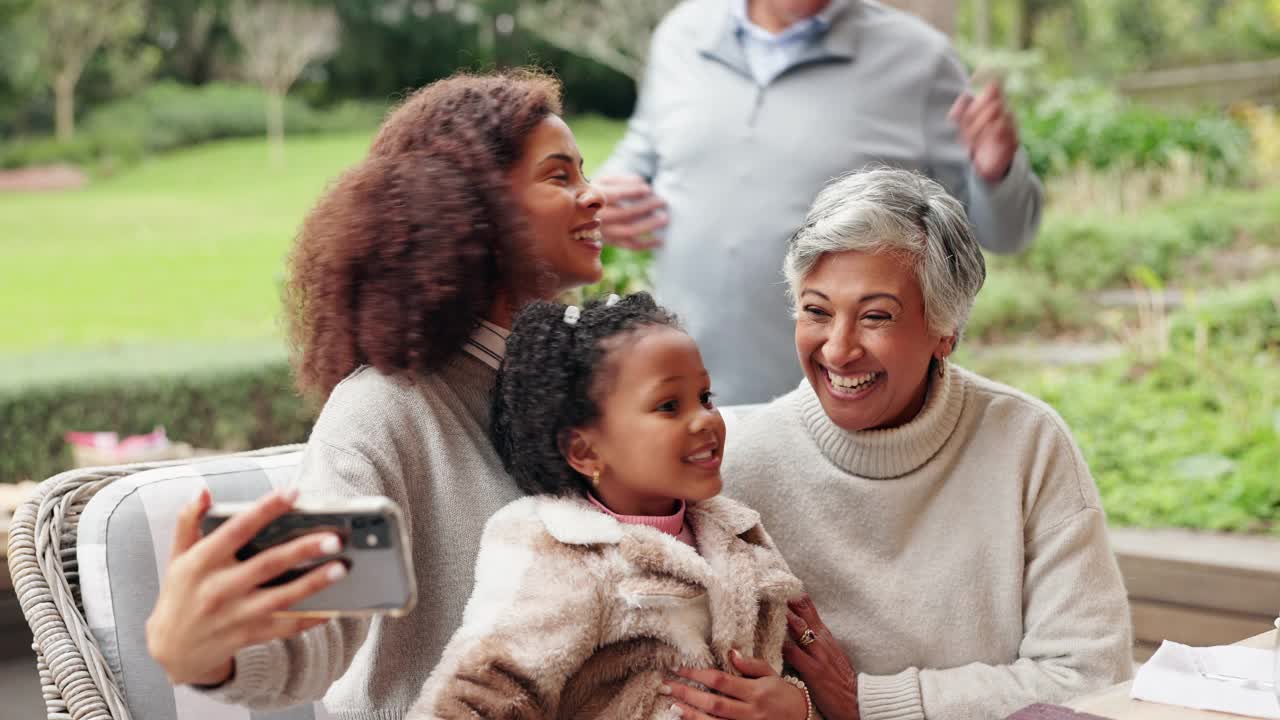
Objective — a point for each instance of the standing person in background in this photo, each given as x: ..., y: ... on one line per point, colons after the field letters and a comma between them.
x: 747, y: 109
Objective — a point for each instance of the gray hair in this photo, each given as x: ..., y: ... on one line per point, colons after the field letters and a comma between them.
x: 882, y: 210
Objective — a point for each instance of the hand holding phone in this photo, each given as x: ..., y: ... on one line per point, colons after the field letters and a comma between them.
x: 373, y: 548
x: 211, y: 605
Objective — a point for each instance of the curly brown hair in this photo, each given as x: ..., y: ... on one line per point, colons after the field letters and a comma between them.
x: 402, y: 254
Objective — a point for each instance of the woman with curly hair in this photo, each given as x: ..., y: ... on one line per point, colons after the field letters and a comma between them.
x: 402, y: 281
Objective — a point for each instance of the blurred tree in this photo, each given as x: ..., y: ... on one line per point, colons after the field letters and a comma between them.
x: 1031, y: 12
x: 615, y: 33
x: 187, y: 32
x: 21, y: 76
x: 74, y: 31
x: 279, y: 39
x: 982, y: 23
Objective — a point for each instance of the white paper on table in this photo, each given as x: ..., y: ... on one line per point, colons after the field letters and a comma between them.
x: 1175, y: 675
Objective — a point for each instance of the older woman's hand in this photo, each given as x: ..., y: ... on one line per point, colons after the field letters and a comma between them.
x: 833, y: 684
x: 758, y: 695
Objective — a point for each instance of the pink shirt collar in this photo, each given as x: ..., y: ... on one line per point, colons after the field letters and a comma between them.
x: 672, y: 525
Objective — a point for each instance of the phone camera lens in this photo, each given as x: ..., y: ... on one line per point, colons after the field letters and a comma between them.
x: 370, y: 532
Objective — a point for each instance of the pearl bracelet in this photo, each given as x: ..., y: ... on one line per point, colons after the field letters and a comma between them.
x: 808, y: 701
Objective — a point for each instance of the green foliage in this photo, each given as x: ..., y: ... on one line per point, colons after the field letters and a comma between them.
x: 625, y: 271
x: 1068, y: 123
x: 82, y: 150
x: 1108, y: 38
x: 389, y: 49
x: 1092, y: 251
x: 167, y: 116
x: 1076, y: 125
x: 1017, y: 301
x: 1246, y: 317
x: 221, y: 408
x: 1193, y: 438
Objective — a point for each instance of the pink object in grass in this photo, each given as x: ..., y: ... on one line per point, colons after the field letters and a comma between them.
x: 109, y: 443
x: 98, y: 440
x: 153, y: 440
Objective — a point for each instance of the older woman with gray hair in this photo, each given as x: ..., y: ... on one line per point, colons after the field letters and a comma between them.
x: 945, y: 525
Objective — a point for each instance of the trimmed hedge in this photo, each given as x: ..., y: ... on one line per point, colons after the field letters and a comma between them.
x: 229, y: 408
x: 168, y: 116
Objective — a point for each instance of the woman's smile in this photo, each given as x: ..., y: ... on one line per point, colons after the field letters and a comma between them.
x: 589, y: 235
x: 852, y: 386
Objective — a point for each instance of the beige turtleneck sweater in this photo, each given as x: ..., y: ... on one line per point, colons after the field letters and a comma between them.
x: 961, y: 560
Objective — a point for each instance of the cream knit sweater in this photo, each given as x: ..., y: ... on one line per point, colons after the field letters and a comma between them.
x: 961, y: 560
x: 424, y: 444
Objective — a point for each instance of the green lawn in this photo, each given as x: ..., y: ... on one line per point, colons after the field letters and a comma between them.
x: 187, y: 247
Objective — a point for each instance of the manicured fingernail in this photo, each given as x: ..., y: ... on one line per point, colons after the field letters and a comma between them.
x: 199, y: 495
x: 289, y: 494
x: 330, y: 544
x: 678, y: 711
x: 733, y: 653
x: 665, y: 689
x: 336, y: 572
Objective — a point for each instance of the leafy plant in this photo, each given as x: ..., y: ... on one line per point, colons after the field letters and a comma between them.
x: 1191, y: 438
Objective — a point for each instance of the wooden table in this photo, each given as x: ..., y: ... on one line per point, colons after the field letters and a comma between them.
x: 1114, y: 702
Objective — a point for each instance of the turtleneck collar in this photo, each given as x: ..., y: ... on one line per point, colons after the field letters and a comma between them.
x: 893, y: 452
x: 673, y: 525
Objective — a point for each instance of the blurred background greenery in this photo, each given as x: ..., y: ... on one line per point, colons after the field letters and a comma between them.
x: 1147, y: 312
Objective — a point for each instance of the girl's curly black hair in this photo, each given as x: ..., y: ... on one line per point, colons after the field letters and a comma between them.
x: 399, y: 257
x: 552, y: 379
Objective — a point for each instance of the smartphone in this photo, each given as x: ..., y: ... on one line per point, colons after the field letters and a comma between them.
x: 375, y: 550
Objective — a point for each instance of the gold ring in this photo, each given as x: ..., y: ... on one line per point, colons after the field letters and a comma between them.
x: 807, y: 637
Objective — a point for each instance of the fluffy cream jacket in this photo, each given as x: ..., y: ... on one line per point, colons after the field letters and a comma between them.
x: 575, y: 615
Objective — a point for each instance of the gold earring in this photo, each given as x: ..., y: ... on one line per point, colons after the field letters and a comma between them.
x: 595, y: 479
x: 942, y: 366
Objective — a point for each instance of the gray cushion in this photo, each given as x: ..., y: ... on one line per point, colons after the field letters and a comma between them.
x: 123, y: 546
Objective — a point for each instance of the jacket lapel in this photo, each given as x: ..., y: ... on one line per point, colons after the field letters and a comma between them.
x: 748, y: 576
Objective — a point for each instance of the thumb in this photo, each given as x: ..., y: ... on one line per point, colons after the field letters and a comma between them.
x: 750, y: 667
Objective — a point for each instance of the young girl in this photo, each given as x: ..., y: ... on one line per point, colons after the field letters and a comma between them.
x: 624, y: 566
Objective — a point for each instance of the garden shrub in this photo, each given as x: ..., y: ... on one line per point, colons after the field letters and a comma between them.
x: 167, y: 116
x: 1089, y: 252
x: 1192, y: 438
x: 221, y: 408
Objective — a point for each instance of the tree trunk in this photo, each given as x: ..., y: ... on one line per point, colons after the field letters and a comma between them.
x: 1028, y: 13
x: 982, y: 23
x: 64, y: 98
x: 275, y: 127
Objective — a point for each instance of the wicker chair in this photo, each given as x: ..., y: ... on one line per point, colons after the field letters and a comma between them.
x: 81, y: 680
